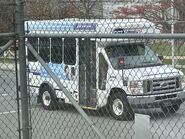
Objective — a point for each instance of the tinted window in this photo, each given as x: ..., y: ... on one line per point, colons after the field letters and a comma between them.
x: 44, y: 49
x: 126, y: 50
x: 103, y: 68
x: 69, y: 51
x: 34, y: 43
x: 134, y: 55
x: 56, y: 50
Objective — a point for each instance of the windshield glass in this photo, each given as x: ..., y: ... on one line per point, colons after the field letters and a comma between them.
x: 134, y: 55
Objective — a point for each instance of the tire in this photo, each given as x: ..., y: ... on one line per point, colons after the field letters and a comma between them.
x: 170, y: 109
x: 119, y: 107
x: 48, y: 99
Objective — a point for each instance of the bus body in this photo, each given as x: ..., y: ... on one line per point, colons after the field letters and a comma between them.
x: 119, y: 73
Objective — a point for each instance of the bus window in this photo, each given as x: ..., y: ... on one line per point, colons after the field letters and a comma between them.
x: 44, y: 49
x: 103, y: 68
x: 34, y: 43
x: 69, y: 51
x: 56, y: 50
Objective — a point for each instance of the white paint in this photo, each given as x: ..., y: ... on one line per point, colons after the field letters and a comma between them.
x: 8, y: 112
x: 4, y: 95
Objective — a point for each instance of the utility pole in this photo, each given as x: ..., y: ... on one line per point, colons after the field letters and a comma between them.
x: 172, y: 32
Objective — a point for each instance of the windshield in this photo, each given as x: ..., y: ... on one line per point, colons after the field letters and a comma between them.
x: 134, y: 55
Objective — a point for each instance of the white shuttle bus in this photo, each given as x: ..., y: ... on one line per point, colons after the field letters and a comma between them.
x: 120, y: 74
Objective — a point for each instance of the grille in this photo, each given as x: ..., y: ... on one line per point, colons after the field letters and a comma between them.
x: 165, y: 85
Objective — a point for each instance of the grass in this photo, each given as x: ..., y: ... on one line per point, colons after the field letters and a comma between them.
x: 164, y: 49
x: 179, y: 62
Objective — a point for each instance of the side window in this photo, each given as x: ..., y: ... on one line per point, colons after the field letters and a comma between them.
x: 44, y: 49
x: 34, y: 43
x: 56, y: 50
x: 70, y: 51
x: 141, y: 49
x: 103, y: 68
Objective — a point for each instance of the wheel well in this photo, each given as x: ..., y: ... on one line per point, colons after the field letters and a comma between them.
x: 45, y: 84
x: 115, y: 90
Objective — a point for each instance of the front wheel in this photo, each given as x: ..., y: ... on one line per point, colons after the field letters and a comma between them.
x: 48, y: 99
x: 120, y: 108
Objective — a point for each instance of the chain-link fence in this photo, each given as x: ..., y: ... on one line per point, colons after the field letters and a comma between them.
x: 9, y: 95
x: 9, y: 113
x: 92, y: 69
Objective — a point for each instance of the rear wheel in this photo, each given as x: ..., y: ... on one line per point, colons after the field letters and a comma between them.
x: 119, y: 107
x: 48, y: 98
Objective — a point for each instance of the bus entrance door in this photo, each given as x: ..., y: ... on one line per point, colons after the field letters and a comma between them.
x: 87, y: 73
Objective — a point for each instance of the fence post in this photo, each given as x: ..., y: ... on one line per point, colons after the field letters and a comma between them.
x: 22, y: 62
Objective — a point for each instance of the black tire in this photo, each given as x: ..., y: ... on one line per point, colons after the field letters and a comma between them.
x: 48, y: 99
x: 119, y: 107
x: 170, y: 109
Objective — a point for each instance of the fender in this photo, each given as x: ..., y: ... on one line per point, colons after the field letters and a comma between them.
x: 46, y: 83
x: 115, y: 90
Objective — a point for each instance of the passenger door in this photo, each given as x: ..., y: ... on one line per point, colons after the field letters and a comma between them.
x: 87, y: 73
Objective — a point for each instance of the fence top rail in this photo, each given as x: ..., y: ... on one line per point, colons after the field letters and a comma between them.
x: 110, y: 35
x: 11, y: 34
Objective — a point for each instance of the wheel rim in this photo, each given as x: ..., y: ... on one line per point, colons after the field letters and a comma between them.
x: 118, y: 107
x: 46, y: 98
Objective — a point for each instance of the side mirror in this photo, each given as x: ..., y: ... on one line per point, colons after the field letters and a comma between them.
x: 161, y: 58
x: 121, y: 62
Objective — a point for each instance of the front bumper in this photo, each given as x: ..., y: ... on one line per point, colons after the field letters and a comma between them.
x: 156, y: 100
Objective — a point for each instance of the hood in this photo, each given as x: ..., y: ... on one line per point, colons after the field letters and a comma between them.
x: 144, y: 73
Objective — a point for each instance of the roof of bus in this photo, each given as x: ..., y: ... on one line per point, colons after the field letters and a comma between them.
x: 74, y: 25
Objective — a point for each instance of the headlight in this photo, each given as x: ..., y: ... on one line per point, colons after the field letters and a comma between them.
x: 182, y: 82
x: 136, y: 87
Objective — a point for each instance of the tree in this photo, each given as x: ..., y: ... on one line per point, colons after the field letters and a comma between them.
x: 63, y: 9
x: 7, y: 16
x: 155, y: 12
x: 58, y: 9
x: 88, y: 8
x: 37, y: 10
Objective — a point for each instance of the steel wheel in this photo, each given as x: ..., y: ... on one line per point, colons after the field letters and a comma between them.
x: 46, y: 98
x: 118, y: 107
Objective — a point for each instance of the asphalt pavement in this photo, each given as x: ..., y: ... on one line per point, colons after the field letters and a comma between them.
x: 67, y: 123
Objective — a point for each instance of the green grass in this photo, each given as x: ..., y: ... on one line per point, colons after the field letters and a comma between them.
x: 181, y: 61
x: 164, y: 49
x: 167, y: 61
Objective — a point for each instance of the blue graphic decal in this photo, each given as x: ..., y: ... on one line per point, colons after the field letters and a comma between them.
x: 60, y: 70
x: 85, y: 26
x: 122, y: 31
